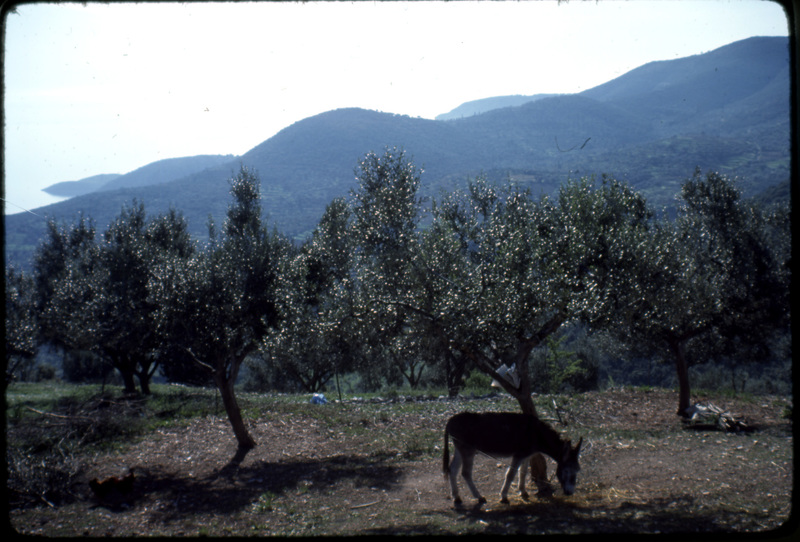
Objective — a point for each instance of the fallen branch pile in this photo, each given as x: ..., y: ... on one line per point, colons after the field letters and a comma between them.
x: 709, y: 414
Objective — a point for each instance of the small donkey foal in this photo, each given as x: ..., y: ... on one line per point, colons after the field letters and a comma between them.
x: 506, y: 434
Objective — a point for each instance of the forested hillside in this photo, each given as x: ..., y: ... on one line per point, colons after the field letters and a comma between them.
x: 726, y: 111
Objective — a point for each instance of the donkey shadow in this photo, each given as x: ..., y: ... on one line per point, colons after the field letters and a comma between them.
x: 557, y: 514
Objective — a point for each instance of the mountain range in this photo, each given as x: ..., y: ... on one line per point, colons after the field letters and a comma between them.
x: 727, y: 110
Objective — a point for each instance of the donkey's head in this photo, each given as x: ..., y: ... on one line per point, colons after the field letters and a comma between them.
x: 568, y: 467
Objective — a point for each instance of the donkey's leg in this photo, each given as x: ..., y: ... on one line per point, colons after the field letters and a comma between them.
x: 454, y: 466
x: 539, y: 474
x: 466, y: 472
x: 510, y: 475
x: 523, y: 472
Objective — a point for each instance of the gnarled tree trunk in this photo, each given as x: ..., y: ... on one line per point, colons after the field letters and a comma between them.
x: 682, y: 370
x: 225, y: 377
x: 127, y: 373
x: 225, y: 386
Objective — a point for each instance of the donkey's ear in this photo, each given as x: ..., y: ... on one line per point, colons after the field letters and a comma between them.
x: 566, y: 448
x: 578, y: 447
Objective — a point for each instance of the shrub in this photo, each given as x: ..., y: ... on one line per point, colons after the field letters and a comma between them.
x: 477, y: 383
x: 42, y: 465
x: 555, y: 369
x: 45, y: 476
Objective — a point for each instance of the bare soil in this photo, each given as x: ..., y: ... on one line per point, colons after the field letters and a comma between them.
x: 352, y: 468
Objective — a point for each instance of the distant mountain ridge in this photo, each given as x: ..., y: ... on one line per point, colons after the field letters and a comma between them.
x: 476, y: 107
x: 158, y: 172
x: 69, y: 189
x: 726, y: 110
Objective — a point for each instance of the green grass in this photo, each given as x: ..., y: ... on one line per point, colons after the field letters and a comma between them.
x: 45, y: 395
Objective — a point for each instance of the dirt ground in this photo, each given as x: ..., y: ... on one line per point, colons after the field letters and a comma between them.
x: 642, y: 472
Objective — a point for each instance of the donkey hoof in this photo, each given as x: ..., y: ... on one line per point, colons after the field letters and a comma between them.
x: 546, y: 491
x: 457, y: 501
x: 481, y: 500
x: 524, y: 495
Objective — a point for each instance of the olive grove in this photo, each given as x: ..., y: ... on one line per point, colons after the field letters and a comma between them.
x: 399, y: 289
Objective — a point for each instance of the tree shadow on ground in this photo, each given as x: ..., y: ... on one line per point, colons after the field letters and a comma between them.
x: 231, y: 489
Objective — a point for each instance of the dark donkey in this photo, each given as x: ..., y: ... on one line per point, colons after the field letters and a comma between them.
x: 506, y: 434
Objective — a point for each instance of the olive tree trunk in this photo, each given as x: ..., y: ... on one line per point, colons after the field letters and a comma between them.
x: 225, y: 385
x: 225, y: 372
x: 682, y: 370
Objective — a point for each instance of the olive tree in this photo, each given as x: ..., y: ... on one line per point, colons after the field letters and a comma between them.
x: 717, y: 273
x: 312, y: 340
x: 64, y: 266
x: 496, y: 272
x: 507, y: 270
x: 92, y: 296
x: 21, y: 321
x: 130, y: 249
x: 218, y: 304
x: 503, y: 271
x: 68, y: 272
x: 741, y: 250
x: 386, y: 210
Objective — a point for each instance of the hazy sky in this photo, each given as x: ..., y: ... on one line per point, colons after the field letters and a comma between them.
x: 100, y: 88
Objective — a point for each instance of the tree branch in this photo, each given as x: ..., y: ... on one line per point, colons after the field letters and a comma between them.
x: 198, y: 361
x: 545, y: 331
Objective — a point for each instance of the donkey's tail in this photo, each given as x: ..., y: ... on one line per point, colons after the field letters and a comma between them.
x: 446, y: 455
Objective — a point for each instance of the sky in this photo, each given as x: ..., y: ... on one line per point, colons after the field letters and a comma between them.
x: 107, y: 88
